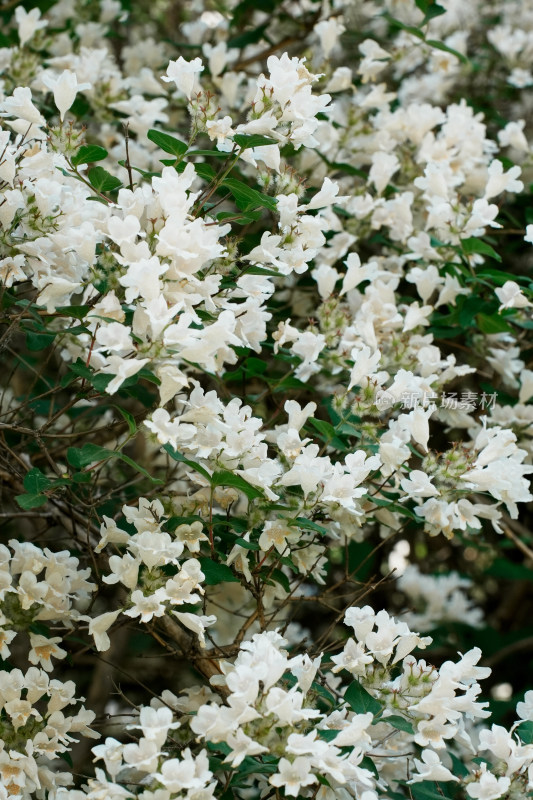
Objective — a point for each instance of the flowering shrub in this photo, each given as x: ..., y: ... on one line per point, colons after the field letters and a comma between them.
x: 265, y: 419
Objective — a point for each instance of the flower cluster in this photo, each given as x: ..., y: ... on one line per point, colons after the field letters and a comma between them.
x: 245, y: 252
x: 35, y: 730
x: 38, y: 587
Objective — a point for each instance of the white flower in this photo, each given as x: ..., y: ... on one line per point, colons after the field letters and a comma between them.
x: 156, y: 723
x: 524, y: 709
x: 65, y: 89
x: 183, y: 73
x: 196, y: 623
x: 500, y: 181
x: 277, y: 534
x: 488, y: 787
x: 384, y: 165
x: 418, y: 484
x: 167, y: 431
x: 510, y: 296
x: 42, y: 650
x: 122, y: 369
x: 144, y: 755
x: 365, y: 365
x: 29, y: 22
x: 188, y: 773
x: 6, y: 637
x: 20, y: 105
x: 219, y: 129
x: 98, y: 627
x: 327, y: 195
x: 242, y: 746
x: 147, y: 606
x: 11, y: 270
x: 114, y: 336
x: 352, y: 658
x: 124, y: 569
x: 293, y: 775
x: 431, y: 769
x: 191, y: 536
x: 513, y: 136
x: 340, y: 80
x: 328, y: 32
x: 111, y: 752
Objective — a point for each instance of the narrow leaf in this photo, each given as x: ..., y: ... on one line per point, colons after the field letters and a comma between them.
x: 247, y: 140
x: 226, y: 478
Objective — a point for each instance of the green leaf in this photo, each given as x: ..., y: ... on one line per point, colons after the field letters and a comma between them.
x: 81, y: 457
x: 250, y: 37
x: 100, y: 382
x: 91, y: 453
x: 307, y: 524
x: 441, y: 46
x: 247, y: 545
x: 27, y: 501
x: 525, y: 731
x: 66, y: 757
x: 328, y: 433
x: 399, y: 509
x: 502, y: 568
x: 399, y: 723
x: 469, y: 306
x: 38, y: 341
x: 167, y: 143
x: 130, y: 419
x: 254, y: 270
x: 226, y: 478
x: 474, y: 245
x: 211, y: 153
x: 328, y: 734
x: 247, y: 140
x: 40, y: 629
x: 360, y: 700
x: 255, y: 366
x: 430, y: 9
x: 88, y: 154
x: 247, y: 198
x: 498, y: 276
x: 492, y: 324
x: 205, y: 171
x: 348, y: 169
x: 250, y: 766
x: 396, y: 23
x: 36, y: 482
x: 426, y: 791
x: 132, y: 463
x: 102, y: 180
x: 459, y: 769
x: 78, y: 312
x: 280, y: 577
x: 82, y: 477
x: 173, y: 522
x: 216, y: 573
x: 177, y: 456
x: 368, y: 764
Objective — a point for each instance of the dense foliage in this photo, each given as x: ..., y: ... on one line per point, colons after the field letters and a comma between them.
x: 265, y: 422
